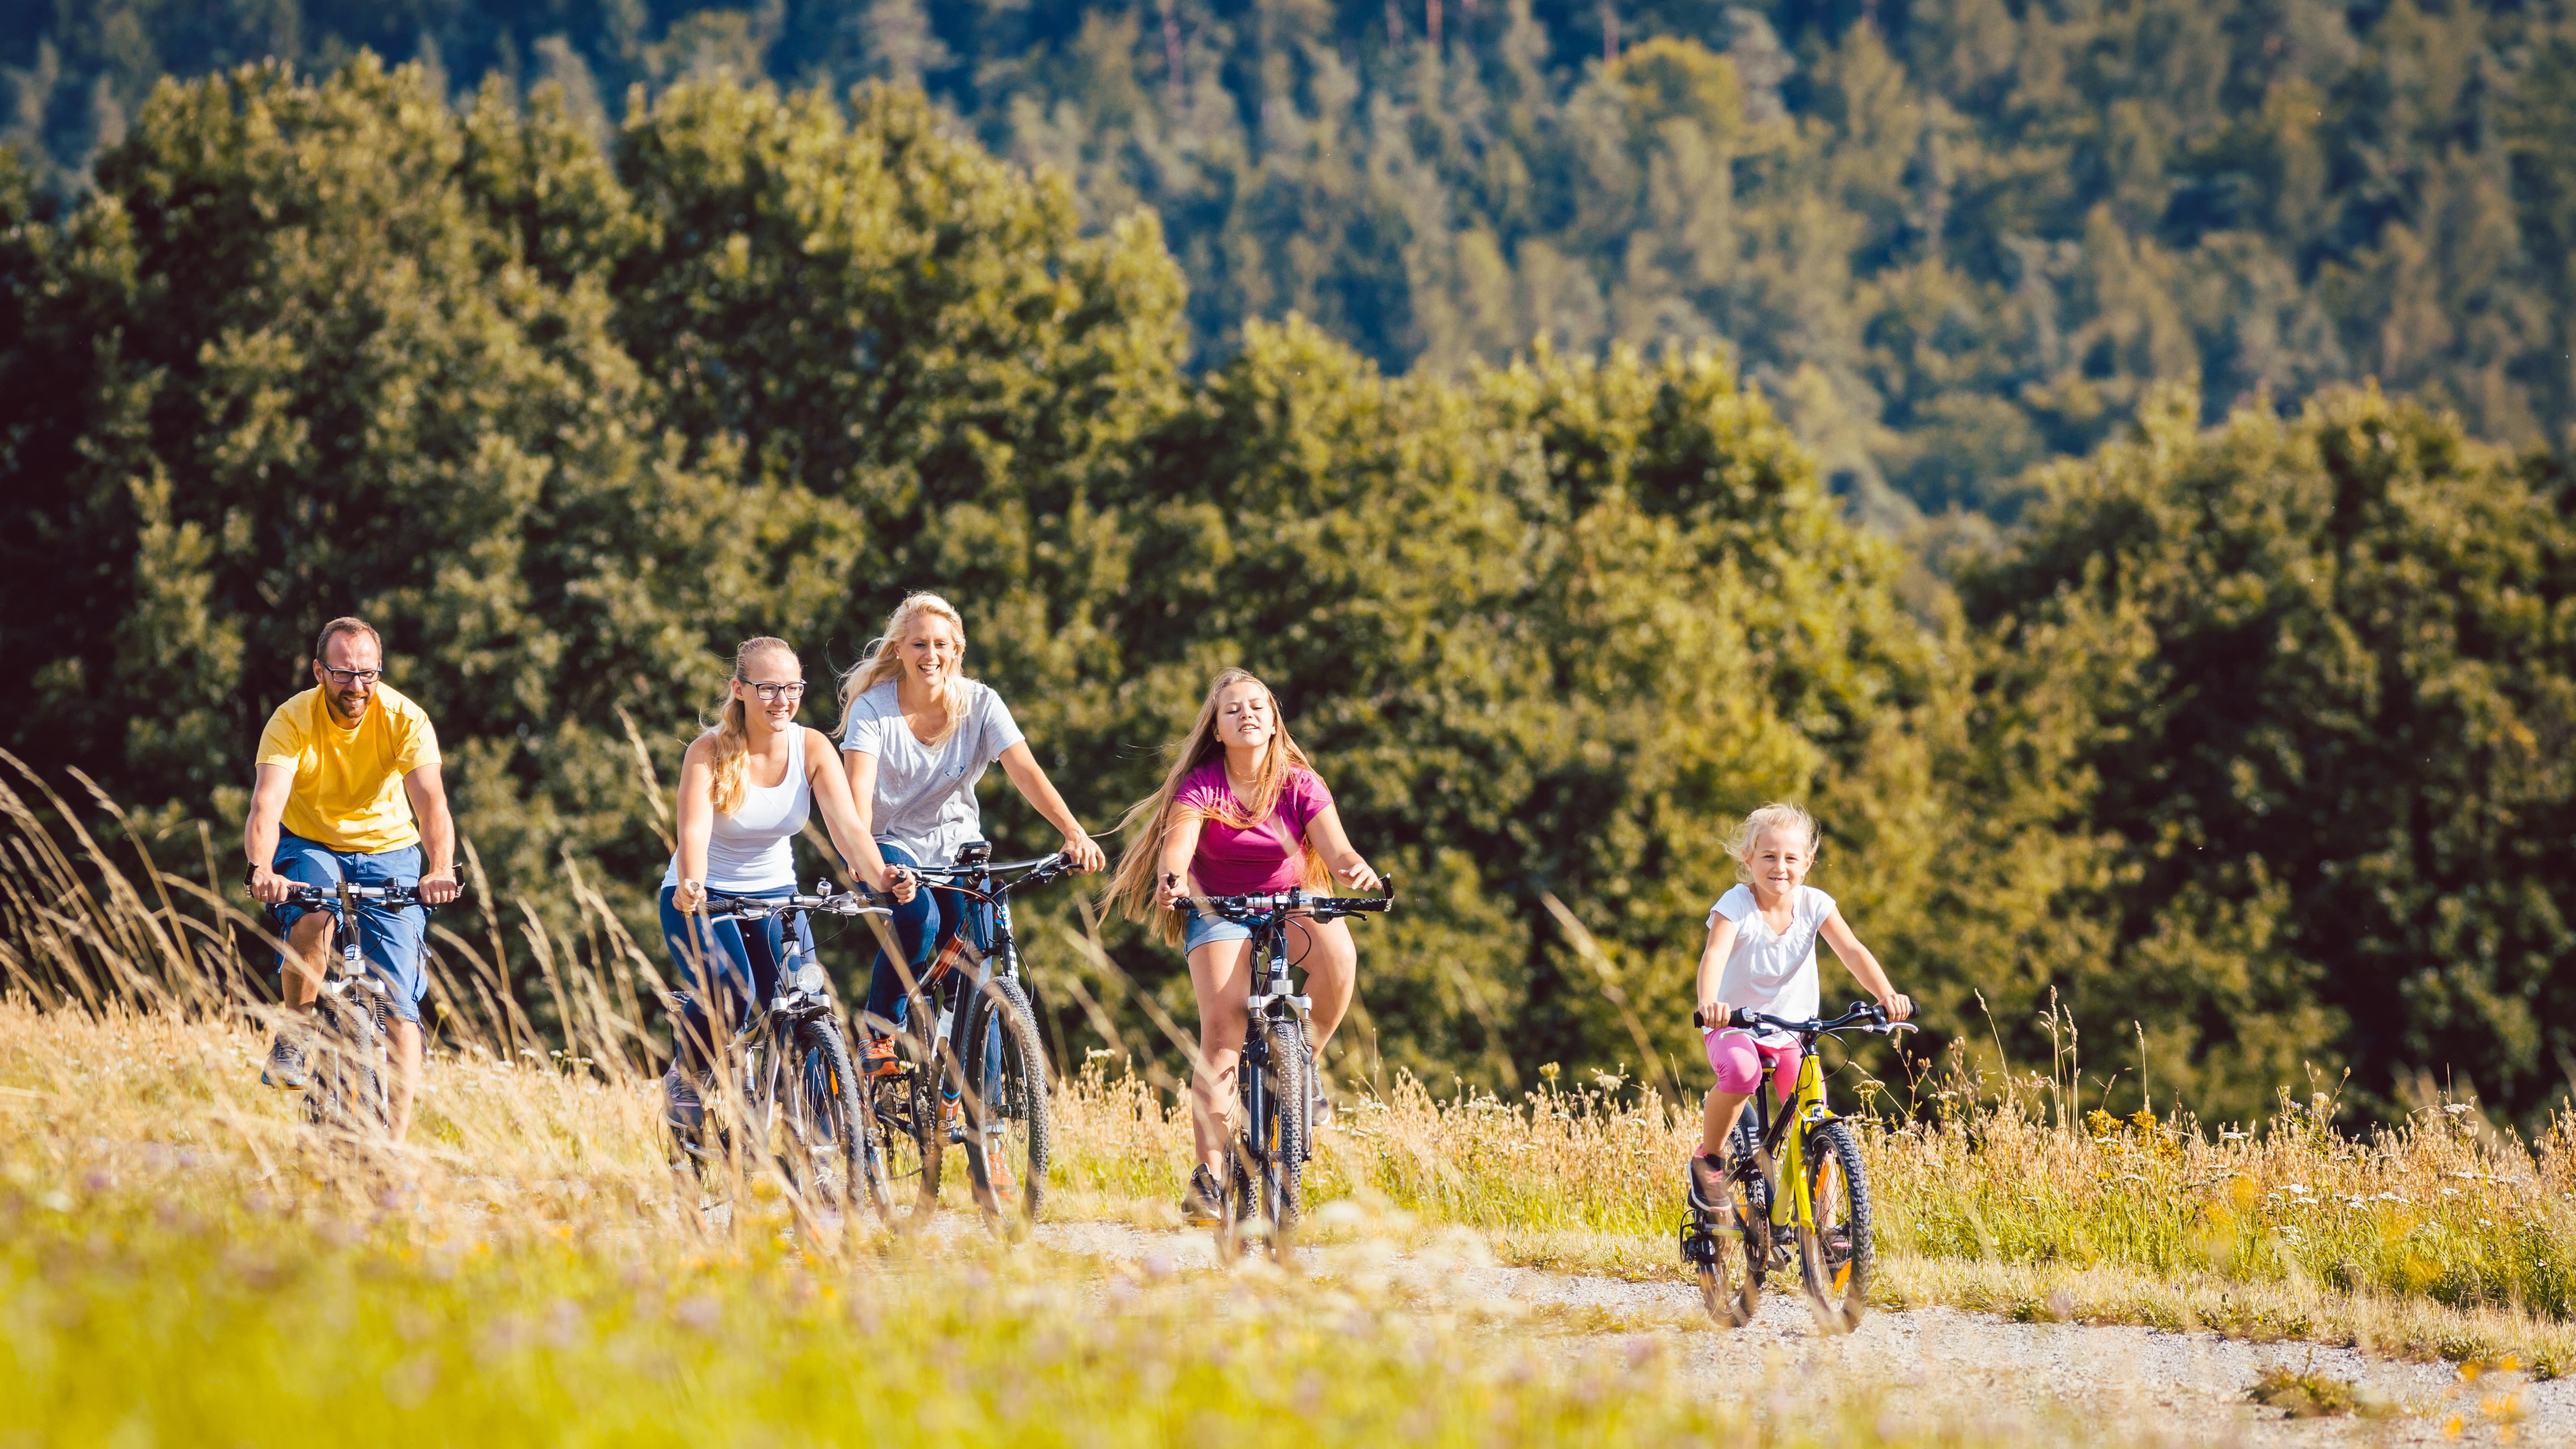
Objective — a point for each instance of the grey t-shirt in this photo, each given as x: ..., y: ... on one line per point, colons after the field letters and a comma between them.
x: 925, y: 799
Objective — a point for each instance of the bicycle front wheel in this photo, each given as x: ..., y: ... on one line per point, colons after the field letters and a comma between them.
x: 831, y: 1146
x: 1835, y: 1253
x: 344, y: 1093
x: 1008, y: 1133
x: 1279, y: 1157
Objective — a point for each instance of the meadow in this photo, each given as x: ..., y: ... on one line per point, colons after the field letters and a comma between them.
x: 181, y: 1259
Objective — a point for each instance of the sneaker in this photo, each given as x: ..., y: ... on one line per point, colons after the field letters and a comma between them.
x: 997, y: 1169
x: 682, y: 1107
x: 877, y: 1058
x: 285, y: 1066
x: 1707, y: 1185
x: 1203, y: 1203
x: 952, y: 1118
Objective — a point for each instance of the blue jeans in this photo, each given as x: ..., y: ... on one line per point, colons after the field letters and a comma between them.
x: 723, y: 964
x: 389, y: 940
x: 923, y: 926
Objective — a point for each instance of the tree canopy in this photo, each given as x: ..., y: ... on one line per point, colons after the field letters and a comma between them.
x: 2250, y: 732
x: 1950, y: 239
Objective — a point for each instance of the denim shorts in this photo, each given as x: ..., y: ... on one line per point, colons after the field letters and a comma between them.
x: 1198, y: 930
x: 389, y: 940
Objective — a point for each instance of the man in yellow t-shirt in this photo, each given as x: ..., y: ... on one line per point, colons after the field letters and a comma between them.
x: 344, y: 770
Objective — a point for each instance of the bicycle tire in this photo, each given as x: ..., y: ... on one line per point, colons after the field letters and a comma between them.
x: 344, y: 1091
x: 907, y: 1111
x: 832, y: 1123
x: 687, y: 1124
x: 1836, y: 1254
x: 1242, y: 1201
x: 1007, y: 1102
x: 1282, y: 1158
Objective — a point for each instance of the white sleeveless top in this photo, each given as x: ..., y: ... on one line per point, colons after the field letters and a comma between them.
x: 1772, y: 972
x: 750, y: 849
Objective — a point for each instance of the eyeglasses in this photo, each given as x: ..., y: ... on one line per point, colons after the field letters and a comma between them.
x: 772, y: 693
x: 353, y: 676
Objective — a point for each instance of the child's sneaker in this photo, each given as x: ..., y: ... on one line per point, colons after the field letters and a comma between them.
x: 1707, y: 1186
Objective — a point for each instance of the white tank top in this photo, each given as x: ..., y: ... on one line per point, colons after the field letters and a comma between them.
x: 749, y: 850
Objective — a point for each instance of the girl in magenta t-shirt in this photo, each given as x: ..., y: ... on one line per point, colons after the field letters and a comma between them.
x: 1241, y: 813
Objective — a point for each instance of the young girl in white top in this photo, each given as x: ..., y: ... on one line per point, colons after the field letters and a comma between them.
x: 1761, y: 957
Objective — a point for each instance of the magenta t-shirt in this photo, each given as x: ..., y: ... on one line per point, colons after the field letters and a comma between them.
x: 1265, y: 858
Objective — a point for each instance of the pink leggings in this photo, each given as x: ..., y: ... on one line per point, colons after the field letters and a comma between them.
x: 1739, y: 1062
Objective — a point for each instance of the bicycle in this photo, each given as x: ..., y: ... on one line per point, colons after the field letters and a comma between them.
x: 1823, y: 1226
x: 986, y: 1058
x: 345, y: 1091
x: 1276, y: 1080
x: 794, y: 1069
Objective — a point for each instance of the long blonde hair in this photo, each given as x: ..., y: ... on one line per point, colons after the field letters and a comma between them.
x: 884, y: 660
x: 1774, y: 816
x: 1131, y: 890
x: 732, y: 729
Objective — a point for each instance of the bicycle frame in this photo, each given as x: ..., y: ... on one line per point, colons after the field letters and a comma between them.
x: 1785, y: 1151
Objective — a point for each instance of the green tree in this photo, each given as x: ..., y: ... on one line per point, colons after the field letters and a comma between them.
x: 2294, y: 696
x: 294, y: 360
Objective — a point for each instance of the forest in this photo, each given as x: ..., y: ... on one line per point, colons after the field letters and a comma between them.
x: 2108, y: 460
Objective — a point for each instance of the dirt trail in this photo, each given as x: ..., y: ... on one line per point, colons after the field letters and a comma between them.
x: 2185, y: 1388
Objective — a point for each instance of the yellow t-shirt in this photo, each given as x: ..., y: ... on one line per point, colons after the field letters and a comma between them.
x: 348, y: 791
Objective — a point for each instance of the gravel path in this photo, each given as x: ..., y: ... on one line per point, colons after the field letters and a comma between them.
x: 2184, y: 1388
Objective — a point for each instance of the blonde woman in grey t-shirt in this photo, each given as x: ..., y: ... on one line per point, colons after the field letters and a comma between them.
x: 916, y: 736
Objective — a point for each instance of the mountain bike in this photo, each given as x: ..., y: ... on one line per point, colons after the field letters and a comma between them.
x: 1822, y: 1225
x: 979, y: 1077
x: 789, y: 1066
x: 1275, y: 1134
x: 346, y: 1080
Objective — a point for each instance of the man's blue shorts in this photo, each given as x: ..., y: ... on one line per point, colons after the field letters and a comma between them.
x: 390, y: 940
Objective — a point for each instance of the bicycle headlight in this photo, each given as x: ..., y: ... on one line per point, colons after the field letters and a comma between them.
x: 811, y: 981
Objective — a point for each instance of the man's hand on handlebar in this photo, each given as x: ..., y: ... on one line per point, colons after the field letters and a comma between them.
x: 1898, y: 1006
x: 439, y: 889
x: 268, y: 887
x: 1083, y: 853
x: 896, y: 882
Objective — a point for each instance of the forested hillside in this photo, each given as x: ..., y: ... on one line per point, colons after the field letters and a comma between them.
x: 1949, y: 238
x: 2250, y: 739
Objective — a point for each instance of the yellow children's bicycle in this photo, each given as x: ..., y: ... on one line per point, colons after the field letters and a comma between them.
x: 1822, y: 1226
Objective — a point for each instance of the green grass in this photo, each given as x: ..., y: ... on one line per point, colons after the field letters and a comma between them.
x: 181, y: 1262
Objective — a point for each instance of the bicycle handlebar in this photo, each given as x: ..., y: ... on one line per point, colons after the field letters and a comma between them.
x: 830, y: 903
x: 1039, y: 870
x: 1035, y: 866
x: 1866, y: 1016
x: 397, y: 897
x: 1325, y: 908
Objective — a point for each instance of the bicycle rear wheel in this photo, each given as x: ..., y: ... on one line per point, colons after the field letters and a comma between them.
x: 1836, y: 1255
x: 1008, y: 1133
x: 1727, y: 1250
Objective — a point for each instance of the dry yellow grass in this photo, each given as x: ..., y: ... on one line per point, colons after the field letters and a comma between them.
x: 529, y: 1260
